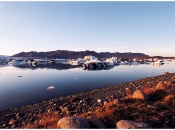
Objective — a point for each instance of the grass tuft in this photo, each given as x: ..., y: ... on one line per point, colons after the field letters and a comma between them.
x: 148, y: 90
x: 46, y: 120
x: 168, y: 98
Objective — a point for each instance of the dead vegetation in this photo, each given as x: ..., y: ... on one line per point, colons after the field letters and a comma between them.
x: 148, y: 90
x: 48, y: 119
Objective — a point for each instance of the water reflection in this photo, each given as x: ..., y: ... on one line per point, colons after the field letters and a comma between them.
x: 48, y: 66
x: 66, y: 79
x: 97, y: 68
x: 73, y: 66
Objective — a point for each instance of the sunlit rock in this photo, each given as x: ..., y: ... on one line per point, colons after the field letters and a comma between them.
x: 138, y: 94
x: 129, y: 124
x: 73, y: 123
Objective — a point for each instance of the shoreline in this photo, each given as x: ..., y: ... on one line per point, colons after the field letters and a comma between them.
x: 78, y: 103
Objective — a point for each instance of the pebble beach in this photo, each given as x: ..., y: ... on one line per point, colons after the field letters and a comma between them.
x: 75, y: 105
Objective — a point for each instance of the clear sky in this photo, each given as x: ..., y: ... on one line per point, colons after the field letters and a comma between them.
x: 145, y: 27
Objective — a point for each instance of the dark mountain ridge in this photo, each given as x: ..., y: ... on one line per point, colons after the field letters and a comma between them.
x: 79, y: 54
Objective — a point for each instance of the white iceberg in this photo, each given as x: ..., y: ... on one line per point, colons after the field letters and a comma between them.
x: 50, y: 88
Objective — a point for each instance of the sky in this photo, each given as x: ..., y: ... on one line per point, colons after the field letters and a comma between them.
x: 144, y: 27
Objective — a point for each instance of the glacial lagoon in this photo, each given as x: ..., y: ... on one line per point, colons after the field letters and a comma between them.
x: 26, y: 84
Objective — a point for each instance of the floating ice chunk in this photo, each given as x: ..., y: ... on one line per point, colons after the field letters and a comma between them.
x: 50, y: 88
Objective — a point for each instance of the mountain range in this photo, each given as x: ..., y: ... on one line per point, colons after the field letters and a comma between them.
x: 79, y: 54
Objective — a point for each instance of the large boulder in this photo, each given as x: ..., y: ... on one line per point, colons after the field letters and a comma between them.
x: 139, y: 94
x: 129, y: 124
x: 73, y: 123
x: 160, y: 86
x: 95, y: 123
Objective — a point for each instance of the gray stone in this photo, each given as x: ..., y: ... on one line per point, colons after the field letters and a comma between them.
x: 129, y: 124
x: 73, y: 123
x: 95, y: 122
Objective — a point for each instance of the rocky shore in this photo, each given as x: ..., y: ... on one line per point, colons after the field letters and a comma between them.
x: 84, y: 103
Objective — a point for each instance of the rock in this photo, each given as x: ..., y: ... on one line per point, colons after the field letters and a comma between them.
x: 173, y: 82
x: 64, y: 109
x: 129, y: 124
x: 160, y: 86
x: 138, y: 94
x: 89, y: 112
x: 105, y: 103
x: 128, y: 91
x: 12, y: 121
x: 13, y: 126
x: 3, y: 125
x: 74, y: 99
x: 73, y: 123
x: 151, y: 106
x: 48, y: 111
x: 166, y: 73
x: 116, y: 101
x: 95, y: 123
x: 99, y: 100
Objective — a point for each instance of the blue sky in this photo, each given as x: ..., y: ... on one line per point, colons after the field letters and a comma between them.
x: 145, y: 27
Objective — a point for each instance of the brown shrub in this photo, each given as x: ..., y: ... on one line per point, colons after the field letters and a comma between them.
x: 148, y: 90
x: 104, y: 113
x: 111, y: 103
x: 101, y: 112
x: 46, y: 120
x: 107, y: 104
x: 128, y: 96
x: 168, y: 98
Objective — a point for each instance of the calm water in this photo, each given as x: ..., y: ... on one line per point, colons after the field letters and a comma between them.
x: 32, y: 86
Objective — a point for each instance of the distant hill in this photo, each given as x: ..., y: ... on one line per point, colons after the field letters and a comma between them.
x: 79, y: 54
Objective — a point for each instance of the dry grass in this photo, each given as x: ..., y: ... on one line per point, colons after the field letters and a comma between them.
x: 109, y: 104
x: 46, y: 120
x: 128, y: 96
x: 102, y: 112
x: 148, y: 90
x: 168, y: 98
